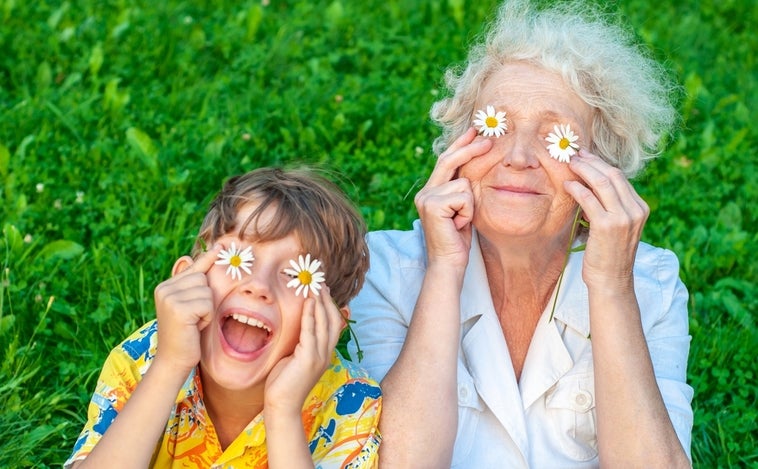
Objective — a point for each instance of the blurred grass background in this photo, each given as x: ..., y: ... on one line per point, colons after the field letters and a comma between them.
x: 119, y: 120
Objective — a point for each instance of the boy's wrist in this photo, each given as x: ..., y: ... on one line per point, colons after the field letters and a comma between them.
x: 169, y: 372
x: 282, y: 418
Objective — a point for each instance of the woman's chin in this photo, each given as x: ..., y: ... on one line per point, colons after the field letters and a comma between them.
x: 514, y: 223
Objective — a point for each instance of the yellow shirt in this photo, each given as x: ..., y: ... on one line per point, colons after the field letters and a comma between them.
x: 340, y: 416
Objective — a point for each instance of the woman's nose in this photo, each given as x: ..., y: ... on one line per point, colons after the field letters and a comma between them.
x: 520, y: 152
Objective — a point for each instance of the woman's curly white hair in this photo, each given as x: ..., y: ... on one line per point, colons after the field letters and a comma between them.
x: 631, y: 93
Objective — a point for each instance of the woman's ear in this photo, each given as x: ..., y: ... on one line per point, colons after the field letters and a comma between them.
x: 181, y: 264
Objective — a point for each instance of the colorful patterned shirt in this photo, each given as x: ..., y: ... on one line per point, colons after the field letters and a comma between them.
x: 340, y: 416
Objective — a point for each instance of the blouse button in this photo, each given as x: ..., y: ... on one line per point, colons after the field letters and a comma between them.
x: 583, y: 401
x: 463, y: 394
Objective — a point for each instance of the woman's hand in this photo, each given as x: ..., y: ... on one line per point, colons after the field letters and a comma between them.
x: 294, y: 376
x: 446, y: 204
x: 628, y: 399
x: 616, y: 214
x: 184, y: 307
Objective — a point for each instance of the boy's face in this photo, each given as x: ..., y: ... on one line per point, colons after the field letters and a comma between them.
x: 257, y: 317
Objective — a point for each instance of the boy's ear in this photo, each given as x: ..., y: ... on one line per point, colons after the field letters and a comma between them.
x: 181, y: 264
x: 345, y: 310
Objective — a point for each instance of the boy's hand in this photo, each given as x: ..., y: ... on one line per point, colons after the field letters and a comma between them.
x: 184, y: 307
x: 294, y: 376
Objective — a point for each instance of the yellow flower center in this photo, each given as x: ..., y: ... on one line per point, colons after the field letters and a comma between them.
x: 564, y: 143
x: 235, y: 261
x: 305, y: 277
x: 491, y: 122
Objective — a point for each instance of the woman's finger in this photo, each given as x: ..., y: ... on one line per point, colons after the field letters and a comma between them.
x: 609, y: 183
x: 591, y: 206
x: 455, y: 205
x: 602, y: 180
x: 464, y: 149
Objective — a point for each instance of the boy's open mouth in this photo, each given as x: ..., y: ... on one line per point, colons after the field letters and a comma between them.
x: 245, y: 334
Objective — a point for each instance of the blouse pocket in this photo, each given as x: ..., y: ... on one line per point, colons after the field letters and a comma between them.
x: 571, y: 412
x: 470, y: 407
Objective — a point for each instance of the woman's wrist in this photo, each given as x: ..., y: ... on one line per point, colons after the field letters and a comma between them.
x: 445, y: 271
x: 609, y: 286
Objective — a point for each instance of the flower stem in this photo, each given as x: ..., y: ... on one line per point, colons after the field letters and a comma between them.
x: 574, y: 231
x: 353, y: 336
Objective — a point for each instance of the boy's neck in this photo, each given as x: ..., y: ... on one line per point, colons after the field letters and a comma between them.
x: 231, y: 411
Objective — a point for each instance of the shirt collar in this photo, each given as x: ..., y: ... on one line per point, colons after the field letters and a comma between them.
x: 190, y: 388
x: 476, y: 298
x: 571, y: 308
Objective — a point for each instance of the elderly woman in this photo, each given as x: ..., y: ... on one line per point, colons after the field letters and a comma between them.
x: 524, y: 293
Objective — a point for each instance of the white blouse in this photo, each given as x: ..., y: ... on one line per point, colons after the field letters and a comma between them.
x: 547, y: 419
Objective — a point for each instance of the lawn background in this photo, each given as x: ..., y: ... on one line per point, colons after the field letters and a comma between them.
x: 119, y: 120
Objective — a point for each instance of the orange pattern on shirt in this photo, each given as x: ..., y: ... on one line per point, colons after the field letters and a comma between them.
x: 340, y: 416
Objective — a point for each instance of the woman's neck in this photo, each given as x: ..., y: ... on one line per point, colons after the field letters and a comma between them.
x: 523, y: 271
x: 522, y: 277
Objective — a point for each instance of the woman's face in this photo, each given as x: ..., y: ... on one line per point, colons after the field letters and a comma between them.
x: 518, y: 187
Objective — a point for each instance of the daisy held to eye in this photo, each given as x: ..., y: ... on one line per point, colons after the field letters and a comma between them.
x: 236, y: 260
x: 491, y: 123
x: 562, y: 143
x: 245, y: 339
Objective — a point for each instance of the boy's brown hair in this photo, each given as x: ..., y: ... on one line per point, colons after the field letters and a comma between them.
x: 305, y: 203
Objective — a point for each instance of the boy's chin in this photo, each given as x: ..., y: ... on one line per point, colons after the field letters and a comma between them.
x: 234, y: 376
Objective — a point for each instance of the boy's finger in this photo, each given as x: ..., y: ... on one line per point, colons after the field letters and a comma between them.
x: 321, y: 321
x: 336, y: 322
x: 206, y: 260
x: 308, y: 324
x: 335, y: 316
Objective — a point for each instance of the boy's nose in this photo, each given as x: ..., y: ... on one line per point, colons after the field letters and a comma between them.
x: 256, y: 286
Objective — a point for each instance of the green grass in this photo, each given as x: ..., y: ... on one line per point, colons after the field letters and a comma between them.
x: 119, y: 120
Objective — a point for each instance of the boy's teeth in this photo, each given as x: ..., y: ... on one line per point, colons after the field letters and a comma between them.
x: 250, y: 321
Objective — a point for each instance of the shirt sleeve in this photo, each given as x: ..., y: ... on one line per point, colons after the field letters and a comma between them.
x: 668, y: 341
x: 114, y: 386
x: 383, y: 308
x: 122, y: 370
x: 345, y: 426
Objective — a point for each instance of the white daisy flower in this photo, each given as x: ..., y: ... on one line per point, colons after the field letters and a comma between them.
x: 562, y: 145
x: 236, y: 259
x: 490, y: 123
x: 305, y: 275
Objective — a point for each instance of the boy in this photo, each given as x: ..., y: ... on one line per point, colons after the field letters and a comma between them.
x: 240, y: 368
